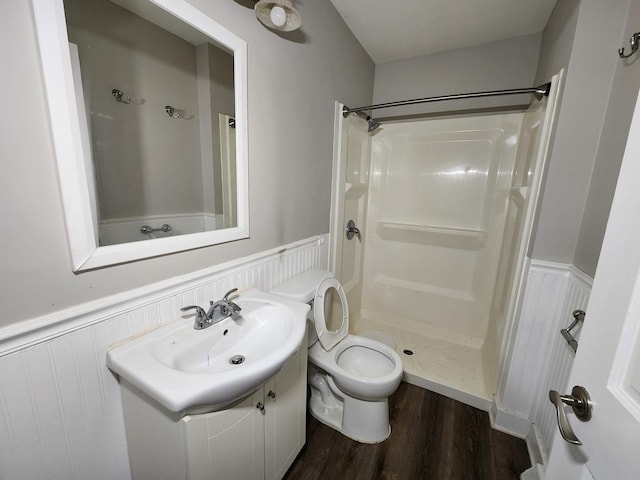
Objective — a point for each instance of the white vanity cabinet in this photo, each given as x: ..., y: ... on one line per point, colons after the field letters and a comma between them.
x: 256, y: 438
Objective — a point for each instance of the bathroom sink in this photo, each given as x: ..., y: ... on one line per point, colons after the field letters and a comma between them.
x: 185, y: 369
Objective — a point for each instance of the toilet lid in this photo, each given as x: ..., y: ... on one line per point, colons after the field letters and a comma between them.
x: 328, y: 338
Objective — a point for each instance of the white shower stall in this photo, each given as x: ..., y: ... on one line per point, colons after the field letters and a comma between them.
x: 445, y: 207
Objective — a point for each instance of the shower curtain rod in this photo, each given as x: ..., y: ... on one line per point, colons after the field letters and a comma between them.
x: 539, y: 92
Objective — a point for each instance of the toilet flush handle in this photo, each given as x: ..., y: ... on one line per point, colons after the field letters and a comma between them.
x: 352, y: 231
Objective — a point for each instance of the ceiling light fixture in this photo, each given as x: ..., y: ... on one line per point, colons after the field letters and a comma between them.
x: 278, y: 15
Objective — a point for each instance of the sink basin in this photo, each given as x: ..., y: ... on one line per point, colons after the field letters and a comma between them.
x: 186, y: 369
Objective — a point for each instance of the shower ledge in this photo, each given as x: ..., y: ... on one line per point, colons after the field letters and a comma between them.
x: 468, y: 239
x: 354, y: 190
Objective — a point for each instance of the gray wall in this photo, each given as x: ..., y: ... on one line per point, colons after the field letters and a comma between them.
x: 491, y: 66
x: 292, y: 87
x: 135, y: 146
x: 591, y: 131
x: 624, y: 90
x: 557, y: 39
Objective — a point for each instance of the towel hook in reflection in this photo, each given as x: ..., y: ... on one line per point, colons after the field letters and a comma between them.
x: 119, y: 96
x: 634, y: 41
x: 177, y: 113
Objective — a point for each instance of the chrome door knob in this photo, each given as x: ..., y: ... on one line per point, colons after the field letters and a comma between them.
x: 580, y: 402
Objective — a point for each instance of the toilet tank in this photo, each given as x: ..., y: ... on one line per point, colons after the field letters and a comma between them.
x: 302, y: 288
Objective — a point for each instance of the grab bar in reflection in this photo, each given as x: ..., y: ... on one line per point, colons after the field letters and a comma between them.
x: 147, y: 230
x: 578, y: 316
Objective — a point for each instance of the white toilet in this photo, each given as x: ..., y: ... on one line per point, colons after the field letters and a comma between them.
x: 350, y: 377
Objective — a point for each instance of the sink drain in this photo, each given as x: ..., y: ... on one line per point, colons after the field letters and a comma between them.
x: 406, y: 351
x: 236, y: 360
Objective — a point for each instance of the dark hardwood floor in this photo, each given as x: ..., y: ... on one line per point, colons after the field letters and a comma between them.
x: 432, y: 437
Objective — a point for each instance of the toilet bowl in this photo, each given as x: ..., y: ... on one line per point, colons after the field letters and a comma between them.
x: 350, y: 377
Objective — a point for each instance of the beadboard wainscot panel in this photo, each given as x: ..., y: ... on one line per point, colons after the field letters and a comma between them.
x: 541, y: 359
x: 560, y: 361
x: 60, y: 407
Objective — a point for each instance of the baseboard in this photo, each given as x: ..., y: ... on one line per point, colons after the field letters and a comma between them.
x: 534, y: 445
x: 509, y: 422
x: 535, y: 472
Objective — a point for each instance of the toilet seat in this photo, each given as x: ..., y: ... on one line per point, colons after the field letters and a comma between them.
x: 329, y: 339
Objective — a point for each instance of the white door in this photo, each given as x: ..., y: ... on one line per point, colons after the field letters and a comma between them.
x: 607, y: 363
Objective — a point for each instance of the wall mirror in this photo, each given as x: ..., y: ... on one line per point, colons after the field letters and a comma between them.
x: 148, y: 106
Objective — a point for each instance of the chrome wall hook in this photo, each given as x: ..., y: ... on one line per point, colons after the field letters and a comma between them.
x: 634, y: 42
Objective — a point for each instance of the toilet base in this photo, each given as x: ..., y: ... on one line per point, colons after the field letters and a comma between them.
x: 361, y: 420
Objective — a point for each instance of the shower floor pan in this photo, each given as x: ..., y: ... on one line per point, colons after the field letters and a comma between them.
x: 438, y: 365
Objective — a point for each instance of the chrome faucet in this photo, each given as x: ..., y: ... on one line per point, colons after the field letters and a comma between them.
x: 217, y: 312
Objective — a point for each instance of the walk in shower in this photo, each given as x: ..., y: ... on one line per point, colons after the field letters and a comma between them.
x: 444, y: 206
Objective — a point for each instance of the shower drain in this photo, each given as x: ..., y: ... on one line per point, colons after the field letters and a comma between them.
x: 406, y: 351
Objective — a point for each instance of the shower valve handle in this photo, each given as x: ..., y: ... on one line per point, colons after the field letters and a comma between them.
x: 352, y: 231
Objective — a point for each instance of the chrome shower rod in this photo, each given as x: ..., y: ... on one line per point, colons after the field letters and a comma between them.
x: 539, y: 92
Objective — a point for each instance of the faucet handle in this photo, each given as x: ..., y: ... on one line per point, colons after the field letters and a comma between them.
x: 226, y: 295
x: 231, y: 307
x: 201, y: 315
x: 234, y: 308
x: 199, y: 310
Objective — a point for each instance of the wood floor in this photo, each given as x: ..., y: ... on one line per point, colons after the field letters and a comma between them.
x: 432, y: 437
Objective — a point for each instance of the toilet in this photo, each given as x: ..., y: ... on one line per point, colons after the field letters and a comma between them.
x: 350, y: 377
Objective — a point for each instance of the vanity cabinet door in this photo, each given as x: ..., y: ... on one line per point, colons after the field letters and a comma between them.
x: 227, y: 445
x: 256, y: 439
x: 285, y: 415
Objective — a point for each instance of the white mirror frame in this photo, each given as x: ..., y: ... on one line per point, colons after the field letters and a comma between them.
x: 86, y: 254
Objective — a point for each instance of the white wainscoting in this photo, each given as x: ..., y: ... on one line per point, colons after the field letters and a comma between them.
x: 60, y: 408
x: 559, y: 358
x: 541, y: 359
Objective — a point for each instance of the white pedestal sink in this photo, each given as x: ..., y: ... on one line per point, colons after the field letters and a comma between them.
x: 185, y: 369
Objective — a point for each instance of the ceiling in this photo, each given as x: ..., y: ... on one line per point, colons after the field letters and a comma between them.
x: 399, y: 29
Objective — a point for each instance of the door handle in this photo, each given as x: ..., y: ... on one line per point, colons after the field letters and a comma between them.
x: 580, y: 402
x: 352, y: 231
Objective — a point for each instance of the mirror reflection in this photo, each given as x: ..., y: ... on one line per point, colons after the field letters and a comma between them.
x: 160, y: 123
x: 333, y: 310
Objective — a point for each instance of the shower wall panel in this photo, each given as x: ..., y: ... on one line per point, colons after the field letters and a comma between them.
x: 438, y: 197
x: 530, y: 147
x: 356, y: 184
